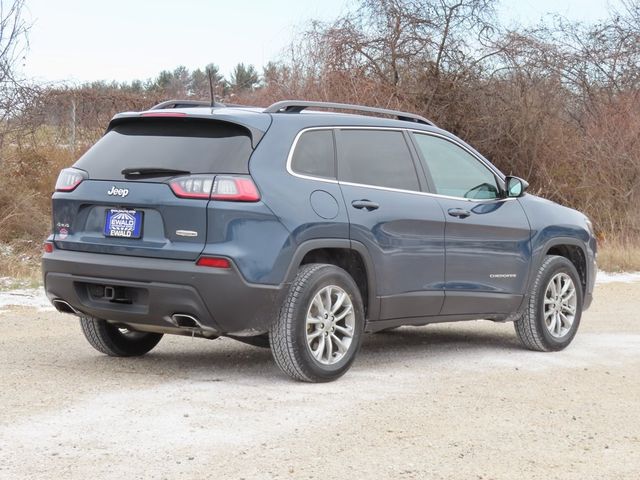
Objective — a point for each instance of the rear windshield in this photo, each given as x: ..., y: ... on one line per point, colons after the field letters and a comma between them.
x: 194, y: 145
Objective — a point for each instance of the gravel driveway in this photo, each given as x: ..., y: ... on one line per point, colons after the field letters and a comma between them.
x: 460, y: 401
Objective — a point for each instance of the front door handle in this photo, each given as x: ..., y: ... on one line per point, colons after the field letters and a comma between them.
x: 459, y: 212
x: 364, y: 203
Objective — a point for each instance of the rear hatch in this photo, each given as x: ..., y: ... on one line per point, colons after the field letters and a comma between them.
x: 143, y: 189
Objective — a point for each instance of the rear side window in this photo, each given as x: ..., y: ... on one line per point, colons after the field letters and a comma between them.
x: 194, y: 145
x: 376, y: 157
x: 315, y: 154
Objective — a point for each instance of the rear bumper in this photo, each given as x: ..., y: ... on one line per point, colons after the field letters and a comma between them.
x: 220, y: 299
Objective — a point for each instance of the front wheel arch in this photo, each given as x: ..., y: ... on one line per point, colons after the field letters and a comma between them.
x: 575, y: 254
x: 530, y: 326
x: 552, y: 247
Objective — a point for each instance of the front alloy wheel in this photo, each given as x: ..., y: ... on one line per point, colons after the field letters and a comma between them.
x: 560, y: 305
x: 553, y: 313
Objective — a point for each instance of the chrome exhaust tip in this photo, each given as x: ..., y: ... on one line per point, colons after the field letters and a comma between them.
x: 186, y: 321
x: 64, y: 307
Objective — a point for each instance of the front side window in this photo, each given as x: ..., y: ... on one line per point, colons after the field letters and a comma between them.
x: 455, y: 172
x: 376, y: 157
x: 314, y: 154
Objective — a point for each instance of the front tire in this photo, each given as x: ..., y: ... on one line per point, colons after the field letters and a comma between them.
x: 319, y: 328
x: 117, y: 342
x: 555, y: 307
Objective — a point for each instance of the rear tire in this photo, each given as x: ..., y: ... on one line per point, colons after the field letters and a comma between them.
x: 319, y: 328
x: 553, y: 314
x: 113, y: 341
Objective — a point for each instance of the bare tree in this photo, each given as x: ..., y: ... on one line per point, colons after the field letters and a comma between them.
x: 395, y: 39
x: 13, y: 31
x: 557, y: 103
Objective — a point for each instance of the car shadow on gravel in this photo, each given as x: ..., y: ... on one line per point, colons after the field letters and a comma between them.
x: 224, y: 358
x: 436, y: 340
x: 206, y: 359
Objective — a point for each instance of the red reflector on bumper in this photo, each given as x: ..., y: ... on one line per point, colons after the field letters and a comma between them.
x: 47, y: 247
x: 214, y: 262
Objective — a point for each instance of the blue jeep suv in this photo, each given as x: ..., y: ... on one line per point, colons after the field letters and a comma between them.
x: 300, y: 229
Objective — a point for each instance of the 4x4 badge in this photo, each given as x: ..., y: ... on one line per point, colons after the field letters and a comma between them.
x: 120, y: 192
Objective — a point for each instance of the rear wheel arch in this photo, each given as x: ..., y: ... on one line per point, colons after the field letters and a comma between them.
x: 352, y: 257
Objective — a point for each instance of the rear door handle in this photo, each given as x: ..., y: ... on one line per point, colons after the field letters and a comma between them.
x: 459, y: 212
x: 364, y: 203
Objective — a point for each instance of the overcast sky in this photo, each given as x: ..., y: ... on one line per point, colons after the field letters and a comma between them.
x: 84, y: 40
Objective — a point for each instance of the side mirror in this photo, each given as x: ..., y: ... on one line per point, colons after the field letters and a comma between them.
x: 515, y: 186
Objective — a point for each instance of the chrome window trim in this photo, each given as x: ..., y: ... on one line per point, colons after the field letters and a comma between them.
x: 293, y: 148
x: 389, y: 189
x: 426, y: 194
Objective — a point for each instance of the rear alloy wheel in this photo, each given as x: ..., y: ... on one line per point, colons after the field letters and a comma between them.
x: 117, y: 341
x: 330, y: 325
x: 318, y: 331
x: 555, y: 307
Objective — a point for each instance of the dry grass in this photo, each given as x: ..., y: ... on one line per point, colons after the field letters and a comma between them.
x: 20, y: 264
x: 25, y: 199
x: 25, y: 202
x: 619, y: 256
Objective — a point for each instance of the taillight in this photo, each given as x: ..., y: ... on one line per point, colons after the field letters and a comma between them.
x: 235, y: 189
x: 47, y: 247
x: 225, y: 187
x: 69, y: 179
x: 194, y: 186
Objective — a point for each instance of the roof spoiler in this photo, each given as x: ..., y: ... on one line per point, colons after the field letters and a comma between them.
x: 255, y: 132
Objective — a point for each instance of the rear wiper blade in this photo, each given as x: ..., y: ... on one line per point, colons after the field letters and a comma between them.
x: 152, y: 172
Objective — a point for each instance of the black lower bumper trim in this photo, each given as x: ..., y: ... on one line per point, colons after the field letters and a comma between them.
x: 149, y: 291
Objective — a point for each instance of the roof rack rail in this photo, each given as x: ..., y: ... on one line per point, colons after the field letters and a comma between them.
x: 296, y: 106
x: 185, y: 104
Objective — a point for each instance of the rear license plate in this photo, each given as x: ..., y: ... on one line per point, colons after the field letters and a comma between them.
x: 123, y: 223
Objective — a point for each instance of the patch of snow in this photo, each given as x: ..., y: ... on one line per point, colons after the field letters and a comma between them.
x: 623, y: 277
x: 588, y: 349
x: 25, y: 297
